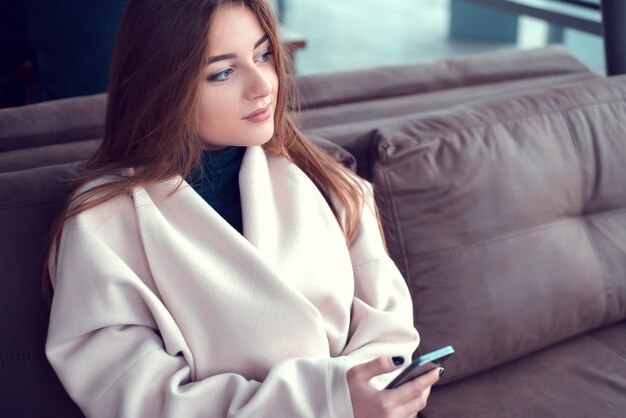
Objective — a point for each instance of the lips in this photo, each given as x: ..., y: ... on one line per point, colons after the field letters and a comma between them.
x: 259, y: 114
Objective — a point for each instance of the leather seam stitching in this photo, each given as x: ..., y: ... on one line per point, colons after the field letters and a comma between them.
x: 577, y: 151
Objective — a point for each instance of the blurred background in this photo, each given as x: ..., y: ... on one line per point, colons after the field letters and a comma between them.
x: 56, y: 49
x: 350, y: 34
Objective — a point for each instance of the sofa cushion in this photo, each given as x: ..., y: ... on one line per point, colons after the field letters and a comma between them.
x: 582, y: 377
x: 352, y: 125
x: 29, y: 200
x: 347, y: 107
x: 513, y: 212
x: 336, y: 152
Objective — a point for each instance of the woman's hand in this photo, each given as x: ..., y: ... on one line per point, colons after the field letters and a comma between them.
x: 402, y: 402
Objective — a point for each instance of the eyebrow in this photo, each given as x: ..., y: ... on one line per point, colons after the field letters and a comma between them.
x: 216, y: 58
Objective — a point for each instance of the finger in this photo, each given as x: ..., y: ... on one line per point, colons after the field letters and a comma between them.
x: 373, y: 368
x: 411, y: 408
x: 414, y: 388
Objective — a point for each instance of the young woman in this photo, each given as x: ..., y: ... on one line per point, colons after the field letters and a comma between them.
x: 211, y: 261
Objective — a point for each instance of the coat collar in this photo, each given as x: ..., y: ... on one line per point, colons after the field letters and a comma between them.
x: 203, y: 268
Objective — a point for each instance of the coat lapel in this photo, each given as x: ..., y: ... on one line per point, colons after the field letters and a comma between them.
x: 289, y: 222
x: 204, y: 269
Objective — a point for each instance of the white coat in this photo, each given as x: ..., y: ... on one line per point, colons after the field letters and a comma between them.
x: 162, y: 309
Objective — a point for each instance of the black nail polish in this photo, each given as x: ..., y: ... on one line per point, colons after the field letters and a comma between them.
x: 397, y: 360
x: 441, y: 371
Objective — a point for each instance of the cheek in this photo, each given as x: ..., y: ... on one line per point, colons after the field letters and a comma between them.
x: 275, y: 83
x: 272, y: 77
x: 217, y: 101
x: 216, y: 107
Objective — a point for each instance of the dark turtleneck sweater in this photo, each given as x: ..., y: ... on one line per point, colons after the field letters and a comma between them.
x: 217, y: 181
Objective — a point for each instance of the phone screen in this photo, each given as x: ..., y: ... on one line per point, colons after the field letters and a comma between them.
x: 422, y: 364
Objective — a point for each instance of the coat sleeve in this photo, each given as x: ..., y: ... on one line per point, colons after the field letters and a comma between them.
x: 104, y: 343
x: 382, y: 310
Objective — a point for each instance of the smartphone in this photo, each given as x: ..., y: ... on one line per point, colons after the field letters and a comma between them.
x: 421, y: 365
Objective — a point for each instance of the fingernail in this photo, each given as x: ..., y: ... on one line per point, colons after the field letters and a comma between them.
x: 397, y: 360
x: 441, y: 371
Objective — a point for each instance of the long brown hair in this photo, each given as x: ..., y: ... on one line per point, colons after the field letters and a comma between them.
x: 157, y: 60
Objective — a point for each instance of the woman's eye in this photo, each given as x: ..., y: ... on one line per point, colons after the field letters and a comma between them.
x: 222, y: 75
x: 264, y: 57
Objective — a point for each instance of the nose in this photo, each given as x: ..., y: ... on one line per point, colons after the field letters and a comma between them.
x: 259, y: 83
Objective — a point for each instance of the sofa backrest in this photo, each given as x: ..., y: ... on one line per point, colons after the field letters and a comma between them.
x: 323, y: 90
x: 508, y: 219
x: 54, y: 122
x: 339, y: 106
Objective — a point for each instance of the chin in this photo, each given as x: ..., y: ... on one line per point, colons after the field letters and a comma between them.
x: 262, y: 141
x: 260, y: 138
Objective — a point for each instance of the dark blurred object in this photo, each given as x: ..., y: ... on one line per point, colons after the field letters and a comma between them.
x: 72, y: 40
x: 614, y: 30
x: 13, y: 36
x: 68, y: 41
x: 591, y: 4
x: 599, y: 17
x: 17, y: 84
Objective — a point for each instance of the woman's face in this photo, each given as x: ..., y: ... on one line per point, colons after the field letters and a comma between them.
x: 237, y: 96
